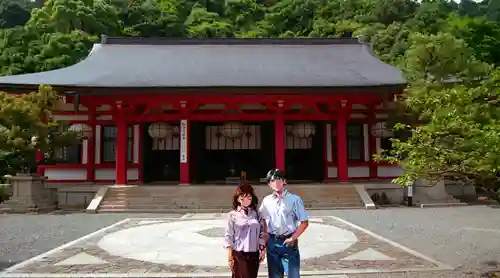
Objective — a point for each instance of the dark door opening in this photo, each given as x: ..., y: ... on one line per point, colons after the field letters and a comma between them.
x: 161, y: 158
x: 304, y: 157
x: 215, y: 158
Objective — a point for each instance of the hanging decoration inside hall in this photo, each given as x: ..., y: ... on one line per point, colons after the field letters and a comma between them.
x: 82, y: 131
x: 380, y: 130
x: 232, y: 129
x: 303, y: 129
x: 160, y: 130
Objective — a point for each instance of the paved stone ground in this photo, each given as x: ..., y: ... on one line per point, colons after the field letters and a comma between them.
x: 466, y: 238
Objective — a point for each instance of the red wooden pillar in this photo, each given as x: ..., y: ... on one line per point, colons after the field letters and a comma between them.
x: 184, y: 153
x: 39, y: 158
x: 279, y: 142
x: 91, y: 147
x: 121, y: 148
x: 342, y: 169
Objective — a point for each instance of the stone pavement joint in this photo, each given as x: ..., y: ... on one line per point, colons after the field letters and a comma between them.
x: 191, y: 246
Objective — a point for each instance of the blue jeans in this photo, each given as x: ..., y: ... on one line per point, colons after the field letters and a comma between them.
x: 282, y: 259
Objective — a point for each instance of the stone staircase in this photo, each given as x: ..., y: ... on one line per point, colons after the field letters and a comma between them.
x: 217, y: 198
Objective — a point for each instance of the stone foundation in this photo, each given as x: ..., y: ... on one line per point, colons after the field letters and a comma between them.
x: 29, y: 194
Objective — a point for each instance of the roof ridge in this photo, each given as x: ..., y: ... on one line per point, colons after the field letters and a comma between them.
x: 225, y: 41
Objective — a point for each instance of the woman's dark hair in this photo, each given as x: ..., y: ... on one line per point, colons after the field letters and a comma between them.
x: 245, y: 189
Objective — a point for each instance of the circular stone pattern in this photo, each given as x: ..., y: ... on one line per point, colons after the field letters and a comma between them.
x: 181, y: 243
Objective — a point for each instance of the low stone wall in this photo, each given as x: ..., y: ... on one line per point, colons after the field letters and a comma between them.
x: 394, y: 192
x: 73, y: 196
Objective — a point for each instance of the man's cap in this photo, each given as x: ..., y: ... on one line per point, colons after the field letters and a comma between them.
x: 274, y: 174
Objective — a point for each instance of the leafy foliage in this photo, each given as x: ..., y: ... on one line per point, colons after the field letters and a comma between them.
x: 26, y: 126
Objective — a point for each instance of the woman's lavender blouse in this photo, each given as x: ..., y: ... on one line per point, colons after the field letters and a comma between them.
x: 244, y: 232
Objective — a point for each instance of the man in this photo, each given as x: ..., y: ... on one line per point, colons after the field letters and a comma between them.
x: 286, y: 220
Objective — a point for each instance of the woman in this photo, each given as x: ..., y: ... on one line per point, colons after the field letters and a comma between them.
x: 245, y: 238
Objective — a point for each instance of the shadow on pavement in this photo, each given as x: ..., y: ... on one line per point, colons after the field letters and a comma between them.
x: 5, y: 265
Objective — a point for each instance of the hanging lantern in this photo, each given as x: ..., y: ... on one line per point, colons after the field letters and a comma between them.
x: 82, y: 131
x: 232, y: 130
x: 303, y: 129
x: 380, y: 130
x: 160, y: 130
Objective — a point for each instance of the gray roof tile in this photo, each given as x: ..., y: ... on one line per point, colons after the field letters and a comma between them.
x: 150, y: 63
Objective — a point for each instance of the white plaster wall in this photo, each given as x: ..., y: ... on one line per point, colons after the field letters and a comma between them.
x: 352, y: 171
x: 103, y: 108
x: 358, y: 171
x: 66, y: 174
x: 70, y: 107
x: 378, y: 145
x: 70, y: 117
x: 85, y: 151
x: 104, y: 118
x: 389, y: 171
x: 110, y: 174
x: 359, y: 106
x: 332, y: 172
x: 357, y: 116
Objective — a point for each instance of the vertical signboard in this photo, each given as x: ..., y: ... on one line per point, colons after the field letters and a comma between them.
x: 183, y: 127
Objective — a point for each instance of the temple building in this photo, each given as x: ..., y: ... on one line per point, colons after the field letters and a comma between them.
x: 204, y: 111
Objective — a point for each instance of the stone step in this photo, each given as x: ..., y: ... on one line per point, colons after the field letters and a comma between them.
x: 197, y: 201
x: 161, y: 210
x: 220, y: 207
x: 218, y: 198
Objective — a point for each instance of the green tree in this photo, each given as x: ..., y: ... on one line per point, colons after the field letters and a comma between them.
x: 439, y: 59
x: 456, y: 135
x: 480, y: 34
x: 26, y: 49
x: 390, y: 11
x: 95, y: 17
x: 150, y: 19
x: 202, y: 23
x: 27, y: 126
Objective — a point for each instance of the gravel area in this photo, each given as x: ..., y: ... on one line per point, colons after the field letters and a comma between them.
x: 25, y: 236
x: 466, y: 238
